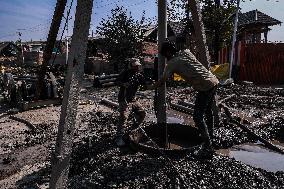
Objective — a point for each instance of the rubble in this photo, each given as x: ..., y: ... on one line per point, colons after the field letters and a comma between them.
x: 97, y: 163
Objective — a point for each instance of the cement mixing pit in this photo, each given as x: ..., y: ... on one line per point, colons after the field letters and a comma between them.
x: 182, y: 139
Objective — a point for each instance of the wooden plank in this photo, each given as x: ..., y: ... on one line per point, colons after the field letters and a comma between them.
x: 257, y: 137
x: 40, y: 103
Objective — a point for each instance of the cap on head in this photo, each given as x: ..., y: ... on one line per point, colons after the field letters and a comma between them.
x: 134, y: 62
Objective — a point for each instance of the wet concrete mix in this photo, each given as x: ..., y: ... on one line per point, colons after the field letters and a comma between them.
x: 98, y: 163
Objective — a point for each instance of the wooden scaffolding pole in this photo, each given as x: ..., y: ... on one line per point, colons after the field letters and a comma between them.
x: 199, y: 32
x: 51, y: 39
x: 61, y: 157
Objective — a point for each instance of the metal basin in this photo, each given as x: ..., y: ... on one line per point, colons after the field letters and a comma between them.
x: 182, y: 139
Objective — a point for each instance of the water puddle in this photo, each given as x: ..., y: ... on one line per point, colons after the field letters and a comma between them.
x: 170, y: 119
x: 173, y: 117
x: 256, y: 156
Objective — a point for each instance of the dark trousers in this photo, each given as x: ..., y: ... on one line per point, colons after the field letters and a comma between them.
x: 203, y: 109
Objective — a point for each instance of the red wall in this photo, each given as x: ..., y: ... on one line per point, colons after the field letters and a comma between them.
x: 262, y: 63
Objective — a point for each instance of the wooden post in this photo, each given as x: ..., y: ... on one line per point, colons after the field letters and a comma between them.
x: 194, y: 6
x: 199, y: 32
x: 51, y: 39
x: 162, y: 34
x: 63, y: 148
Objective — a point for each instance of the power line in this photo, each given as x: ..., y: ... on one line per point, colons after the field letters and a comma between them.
x: 65, y: 25
x: 30, y: 29
x: 127, y: 6
x: 112, y: 3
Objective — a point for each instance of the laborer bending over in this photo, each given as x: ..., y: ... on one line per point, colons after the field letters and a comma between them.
x: 202, y: 80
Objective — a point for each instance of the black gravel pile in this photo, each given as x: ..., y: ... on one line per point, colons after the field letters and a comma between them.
x: 98, y: 163
x: 42, y: 134
x: 251, y: 90
x: 228, y: 135
x: 272, y: 130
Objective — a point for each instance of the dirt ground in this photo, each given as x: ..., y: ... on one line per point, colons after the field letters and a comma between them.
x: 98, y: 163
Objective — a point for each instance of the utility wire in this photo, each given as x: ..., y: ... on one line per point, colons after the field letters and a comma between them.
x: 30, y: 29
x: 65, y: 25
x: 127, y: 6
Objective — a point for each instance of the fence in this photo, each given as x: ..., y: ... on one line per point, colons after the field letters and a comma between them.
x: 261, y: 63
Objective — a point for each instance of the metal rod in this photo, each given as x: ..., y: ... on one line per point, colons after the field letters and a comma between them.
x: 28, y: 124
x: 181, y: 108
x: 227, y: 98
x: 188, y: 104
x: 109, y: 103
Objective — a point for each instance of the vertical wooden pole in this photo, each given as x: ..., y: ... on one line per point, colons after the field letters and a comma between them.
x: 199, y: 32
x: 162, y: 34
x: 63, y: 148
x: 51, y: 39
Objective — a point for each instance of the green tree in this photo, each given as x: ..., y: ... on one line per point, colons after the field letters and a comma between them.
x: 123, y: 36
x: 218, y: 21
x: 217, y: 18
x: 177, y: 10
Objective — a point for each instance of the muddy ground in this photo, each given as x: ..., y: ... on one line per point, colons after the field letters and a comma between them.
x: 98, y: 163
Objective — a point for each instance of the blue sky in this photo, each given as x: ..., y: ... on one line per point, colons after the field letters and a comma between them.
x: 33, y: 17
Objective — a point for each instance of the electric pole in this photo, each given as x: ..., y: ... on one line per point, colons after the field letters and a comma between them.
x: 232, y: 57
x: 67, y: 35
x: 21, y: 44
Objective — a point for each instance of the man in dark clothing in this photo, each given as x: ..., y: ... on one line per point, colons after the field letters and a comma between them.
x: 202, y: 80
x: 129, y: 80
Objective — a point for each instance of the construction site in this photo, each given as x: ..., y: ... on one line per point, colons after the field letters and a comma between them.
x: 61, y: 113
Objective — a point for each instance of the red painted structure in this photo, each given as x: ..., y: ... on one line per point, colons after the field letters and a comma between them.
x: 261, y: 63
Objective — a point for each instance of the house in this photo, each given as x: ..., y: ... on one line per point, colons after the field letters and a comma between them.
x: 178, y: 32
x: 9, y: 54
x: 255, y: 59
x: 8, y: 49
x: 253, y: 27
x: 253, y: 24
